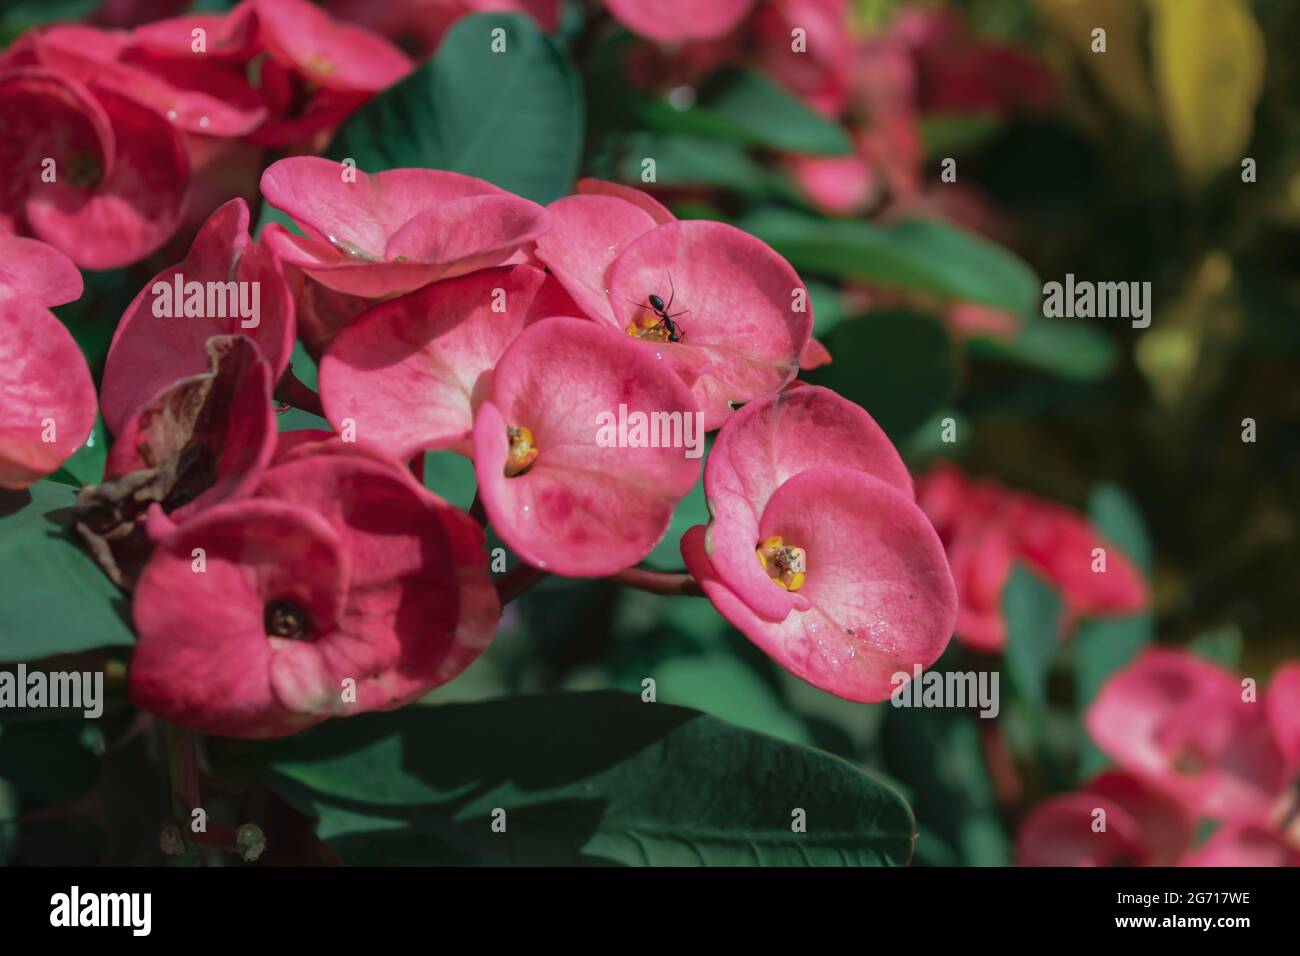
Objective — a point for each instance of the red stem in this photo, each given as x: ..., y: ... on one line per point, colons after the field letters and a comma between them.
x: 677, y: 584
x: 291, y: 391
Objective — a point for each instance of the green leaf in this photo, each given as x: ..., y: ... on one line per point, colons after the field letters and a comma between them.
x: 899, y: 366
x: 582, y: 778
x: 1070, y: 350
x: 1220, y: 646
x: 682, y: 160
x: 744, y: 107
x: 919, y: 254
x: 1102, y: 646
x: 53, y: 598
x: 514, y: 118
x: 937, y: 754
x: 952, y: 134
x: 1033, y: 613
x: 86, y: 466
x: 1118, y: 519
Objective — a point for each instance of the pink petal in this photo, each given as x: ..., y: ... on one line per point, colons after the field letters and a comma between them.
x: 1244, y: 844
x: 202, y: 656
x: 395, y: 231
x: 33, y: 270
x: 763, y: 445
x: 151, y: 351
x: 1284, y: 712
x: 581, y: 509
x: 407, y: 372
x: 329, y: 53
x: 414, y: 560
x: 1059, y: 832
x: 644, y: 201
x: 45, y: 390
x: 674, y: 21
x: 586, y: 235
x: 744, y: 307
x: 880, y: 598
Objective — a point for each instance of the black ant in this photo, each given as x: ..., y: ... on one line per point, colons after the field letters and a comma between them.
x: 660, y: 309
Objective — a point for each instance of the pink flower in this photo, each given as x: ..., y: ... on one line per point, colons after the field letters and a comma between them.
x: 115, y: 190
x: 1189, y: 728
x: 200, y: 440
x: 344, y: 587
x: 567, y: 490
x: 675, y: 21
x: 817, y: 551
x: 163, y: 334
x: 395, y: 231
x: 193, y: 92
x: 819, y: 71
x: 741, y: 315
x: 45, y: 386
x: 1244, y: 844
x: 987, y: 528
x: 418, y: 25
x: 407, y: 374
x: 1116, y: 820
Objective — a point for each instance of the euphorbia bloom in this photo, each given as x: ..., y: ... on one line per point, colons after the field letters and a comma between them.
x: 676, y: 21
x: 406, y: 374
x: 565, y: 490
x: 392, y: 232
x: 1116, y: 820
x: 163, y: 336
x: 1192, y: 729
x: 817, y: 551
x: 344, y: 587
x: 986, y: 528
x: 45, y: 386
x: 717, y: 304
x: 204, y: 439
x: 86, y: 169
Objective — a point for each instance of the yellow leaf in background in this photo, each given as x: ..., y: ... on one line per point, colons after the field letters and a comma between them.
x: 1209, y: 68
x: 1120, y: 72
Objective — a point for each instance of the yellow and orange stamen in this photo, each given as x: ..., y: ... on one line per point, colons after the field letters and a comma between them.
x: 523, y: 452
x: 785, y: 564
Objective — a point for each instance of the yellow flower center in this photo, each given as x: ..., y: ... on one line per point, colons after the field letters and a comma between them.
x: 649, y: 327
x: 785, y: 564
x: 522, y: 450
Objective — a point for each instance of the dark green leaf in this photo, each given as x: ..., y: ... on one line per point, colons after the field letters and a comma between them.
x: 918, y: 254
x: 744, y: 107
x: 53, y: 598
x: 1102, y: 646
x: 1220, y: 646
x: 514, y: 118
x: 952, y: 134
x: 937, y: 754
x: 582, y: 778
x: 899, y: 366
x: 1068, y: 349
x: 1033, y: 613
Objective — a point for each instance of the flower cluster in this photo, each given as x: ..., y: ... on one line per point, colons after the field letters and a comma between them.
x: 577, y: 354
x: 119, y: 139
x: 1195, y: 744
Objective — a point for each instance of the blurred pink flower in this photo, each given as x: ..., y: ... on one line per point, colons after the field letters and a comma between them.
x: 986, y: 528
